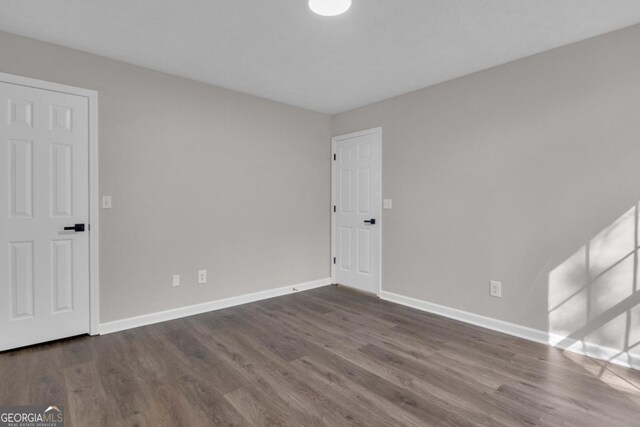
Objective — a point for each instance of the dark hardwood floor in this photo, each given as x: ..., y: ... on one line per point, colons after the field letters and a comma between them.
x: 330, y: 356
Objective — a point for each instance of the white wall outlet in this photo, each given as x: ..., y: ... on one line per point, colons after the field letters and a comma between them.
x: 496, y: 289
x: 387, y: 204
x: 106, y: 202
x: 202, y: 276
x: 176, y: 280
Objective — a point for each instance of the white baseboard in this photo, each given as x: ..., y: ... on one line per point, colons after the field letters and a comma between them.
x: 191, y: 310
x: 607, y: 354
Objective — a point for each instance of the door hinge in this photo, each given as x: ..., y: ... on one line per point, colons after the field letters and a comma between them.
x: 334, y: 260
x: 335, y: 157
x: 334, y: 208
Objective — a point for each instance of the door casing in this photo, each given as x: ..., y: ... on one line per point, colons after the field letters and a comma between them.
x: 94, y: 205
x: 334, y: 142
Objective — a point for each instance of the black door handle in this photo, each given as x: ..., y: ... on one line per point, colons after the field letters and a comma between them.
x: 78, y: 228
x: 371, y: 221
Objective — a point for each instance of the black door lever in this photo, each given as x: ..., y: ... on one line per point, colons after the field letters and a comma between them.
x: 371, y: 221
x: 78, y: 228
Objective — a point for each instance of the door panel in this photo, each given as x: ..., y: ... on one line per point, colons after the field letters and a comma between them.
x: 21, y: 278
x: 62, y: 275
x: 44, y: 270
x: 364, y: 191
x: 20, y: 186
x: 357, y: 197
x: 364, y: 251
x: 345, y: 249
x: 61, y: 181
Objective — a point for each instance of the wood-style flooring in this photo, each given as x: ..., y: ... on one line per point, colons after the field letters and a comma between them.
x: 330, y: 357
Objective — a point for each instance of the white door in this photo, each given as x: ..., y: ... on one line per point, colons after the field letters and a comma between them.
x: 44, y: 187
x: 356, y: 217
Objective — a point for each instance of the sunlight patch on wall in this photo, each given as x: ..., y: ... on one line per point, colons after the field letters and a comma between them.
x: 568, y: 295
x: 612, y: 334
x: 593, y: 297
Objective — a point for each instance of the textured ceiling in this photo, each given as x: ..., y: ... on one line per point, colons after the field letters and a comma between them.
x: 280, y: 50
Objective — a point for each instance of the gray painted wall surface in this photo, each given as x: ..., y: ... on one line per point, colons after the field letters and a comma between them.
x: 528, y: 173
x: 524, y: 174
x: 201, y: 178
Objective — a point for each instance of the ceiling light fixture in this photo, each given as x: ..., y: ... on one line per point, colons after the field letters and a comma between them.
x: 329, y: 7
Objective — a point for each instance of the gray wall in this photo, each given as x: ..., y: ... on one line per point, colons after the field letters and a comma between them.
x: 528, y: 173
x: 519, y: 174
x: 201, y: 178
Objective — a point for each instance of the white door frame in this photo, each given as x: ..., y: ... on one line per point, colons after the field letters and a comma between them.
x: 334, y: 142
x: 94, y: 259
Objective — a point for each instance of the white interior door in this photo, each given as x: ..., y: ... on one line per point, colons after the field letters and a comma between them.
x: 357, y: 206
x: 44, y: 187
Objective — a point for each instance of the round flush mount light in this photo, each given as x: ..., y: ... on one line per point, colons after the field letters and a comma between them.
x: 329, y: 7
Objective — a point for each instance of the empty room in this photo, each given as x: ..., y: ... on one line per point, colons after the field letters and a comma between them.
x: 319, y: 213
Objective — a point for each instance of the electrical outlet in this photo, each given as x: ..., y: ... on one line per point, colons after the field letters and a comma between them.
x: 106, y: 202
x: 496, y: 289
x: 202, y: 276
x: 387, y: 204
x: 176, y: 280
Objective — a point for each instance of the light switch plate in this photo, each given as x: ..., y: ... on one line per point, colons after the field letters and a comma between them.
x: 175, y: 280
x: 106, y: 202
x: 202, y: 276
x: 387, y: 204
x: 496, y: 289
